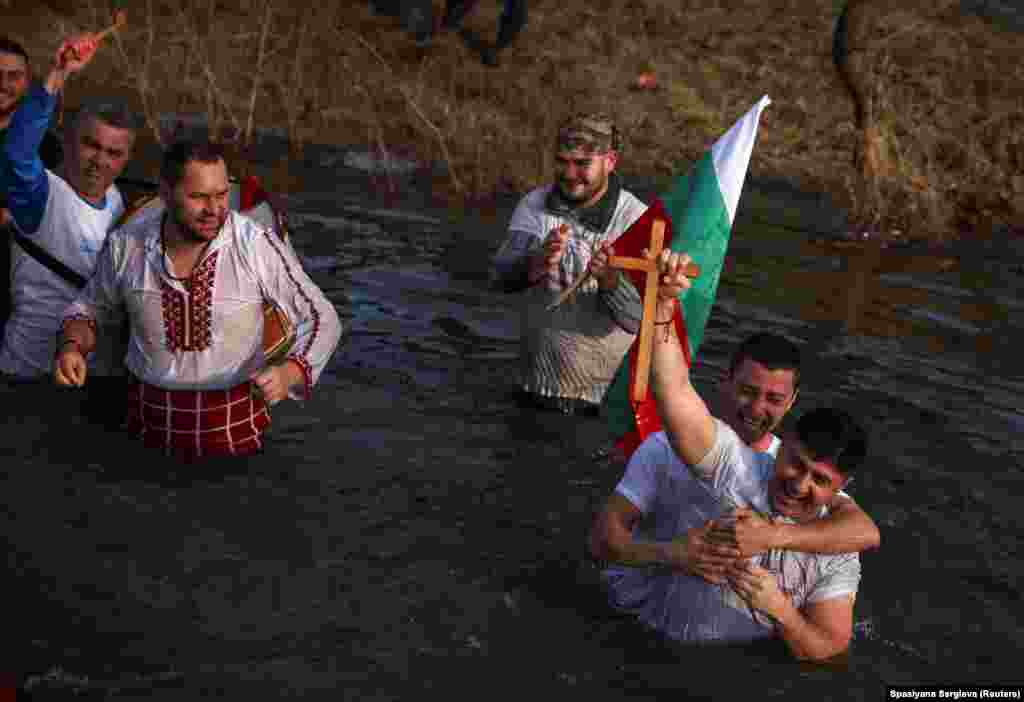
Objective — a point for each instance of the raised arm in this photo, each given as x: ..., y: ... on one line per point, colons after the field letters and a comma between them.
x: 688, y: 424
x: 22, y: 172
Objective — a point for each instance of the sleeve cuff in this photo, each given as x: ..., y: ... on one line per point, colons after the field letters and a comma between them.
x: 307, y: 374
x: 633, y: 497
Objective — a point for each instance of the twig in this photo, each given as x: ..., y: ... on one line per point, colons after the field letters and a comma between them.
x: 419, y: 113
x: 120, y: 20
x: 258, y: 73
x: 568, y: 292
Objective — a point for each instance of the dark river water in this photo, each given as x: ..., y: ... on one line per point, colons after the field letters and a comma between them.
x: 410, y: 532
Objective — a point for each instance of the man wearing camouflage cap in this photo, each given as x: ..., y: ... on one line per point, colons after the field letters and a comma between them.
x: 558, y: 232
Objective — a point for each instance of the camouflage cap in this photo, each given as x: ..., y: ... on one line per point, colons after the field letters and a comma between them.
x: 590, y: 132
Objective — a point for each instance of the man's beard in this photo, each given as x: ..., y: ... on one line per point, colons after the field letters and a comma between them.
x: 755, y: 431
x: 188, y: 232
x: 587, y: 192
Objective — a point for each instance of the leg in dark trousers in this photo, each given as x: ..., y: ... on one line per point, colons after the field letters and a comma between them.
x: 455, y: 12
x: 513, y: 19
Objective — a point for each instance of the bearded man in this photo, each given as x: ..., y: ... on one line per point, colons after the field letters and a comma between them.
x: 62, y: 218
x: 558, y: 233
x: 192, y: 277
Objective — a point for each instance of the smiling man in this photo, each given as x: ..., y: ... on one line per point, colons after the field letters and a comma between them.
x: 65, y: 215
x: 557, y: 233
x: 191, y: 277
x: 805, y: 598
x: 15, y: 76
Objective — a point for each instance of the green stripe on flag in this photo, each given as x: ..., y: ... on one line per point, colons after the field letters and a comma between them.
x: 704, y: 234
x: 701, y: 207
x: 695, y: 205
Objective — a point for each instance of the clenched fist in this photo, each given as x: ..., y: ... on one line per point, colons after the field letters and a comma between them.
x: 70, y: 368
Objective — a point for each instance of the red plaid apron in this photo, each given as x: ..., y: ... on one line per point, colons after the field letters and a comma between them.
x: 195, y: 424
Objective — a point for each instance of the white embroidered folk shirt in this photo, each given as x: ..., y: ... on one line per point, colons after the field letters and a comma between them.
x: 206, y: 333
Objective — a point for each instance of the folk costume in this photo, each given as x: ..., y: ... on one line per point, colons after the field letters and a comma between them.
x: 195, y: 342
x: 50, y: 214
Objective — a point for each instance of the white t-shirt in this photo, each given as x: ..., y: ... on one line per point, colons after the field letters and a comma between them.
x: 73, y: 231
x: 673, y: 501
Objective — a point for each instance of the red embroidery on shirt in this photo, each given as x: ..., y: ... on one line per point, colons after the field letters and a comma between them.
x: 196, y: 309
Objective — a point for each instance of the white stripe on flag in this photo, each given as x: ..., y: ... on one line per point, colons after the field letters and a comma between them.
x: 731, y: 156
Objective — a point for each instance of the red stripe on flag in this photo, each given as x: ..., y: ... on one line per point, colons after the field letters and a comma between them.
x: 645, y: 412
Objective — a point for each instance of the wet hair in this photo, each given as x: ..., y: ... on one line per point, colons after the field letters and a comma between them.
x: 773, y: 351
x: 181, y: 152
x: 115, y: 113
x: 833, y: 435
x: 9, y: 46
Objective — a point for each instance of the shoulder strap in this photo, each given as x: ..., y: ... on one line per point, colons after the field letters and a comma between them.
x: 47, y: 259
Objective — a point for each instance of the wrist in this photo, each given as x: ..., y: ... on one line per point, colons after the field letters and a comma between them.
x: 666, y: 310
x: 609, y: 282
x: 783, y: 612
x: 54, y: 82
x: 70, y: 345
x: 781, y: 535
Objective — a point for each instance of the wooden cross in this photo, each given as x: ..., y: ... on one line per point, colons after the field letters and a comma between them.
x: 649, y: 266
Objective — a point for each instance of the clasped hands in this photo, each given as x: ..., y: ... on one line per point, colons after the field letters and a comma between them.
x: 714, y: 550
x: 671, y: 265
x: 719, y: 552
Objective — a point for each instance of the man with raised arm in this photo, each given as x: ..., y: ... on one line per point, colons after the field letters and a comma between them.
x: 15, y: 77
x: 65, y: 215
x: 559, y: 232
x: 701, y: 467
x: 761, y: 387
x: 192, y: 276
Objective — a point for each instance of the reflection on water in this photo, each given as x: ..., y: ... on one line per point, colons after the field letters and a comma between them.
x: 411, y: 522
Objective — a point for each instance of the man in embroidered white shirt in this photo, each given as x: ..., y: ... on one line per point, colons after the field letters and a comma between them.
x: 191, y: 277
x: 66, y: 214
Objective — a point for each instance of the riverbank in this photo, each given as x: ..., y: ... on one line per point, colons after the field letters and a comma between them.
x: 948, y: 79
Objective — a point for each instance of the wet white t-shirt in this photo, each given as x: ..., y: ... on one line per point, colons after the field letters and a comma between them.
x: 673, y: 500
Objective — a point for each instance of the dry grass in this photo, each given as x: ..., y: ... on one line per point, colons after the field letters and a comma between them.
x: 953, y: 89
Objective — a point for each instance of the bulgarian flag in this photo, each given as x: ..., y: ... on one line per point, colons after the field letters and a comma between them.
x: 698, y: 211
